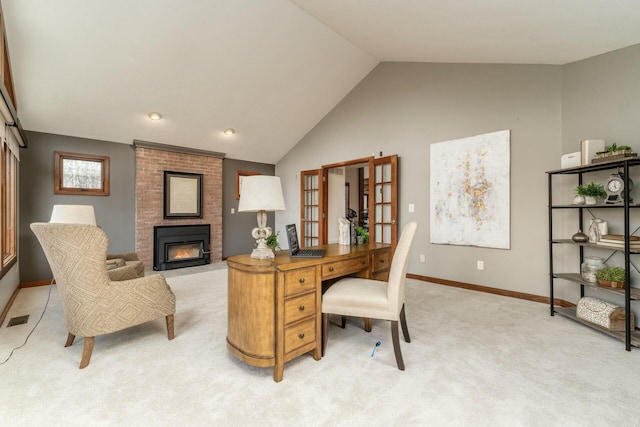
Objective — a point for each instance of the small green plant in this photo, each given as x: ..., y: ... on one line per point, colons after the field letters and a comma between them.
x: 611, y: 274
x: 624, y: 148
x: 272, y: 242
x: 592, y: 189
x: 613, y: 147
x: 362, y: 232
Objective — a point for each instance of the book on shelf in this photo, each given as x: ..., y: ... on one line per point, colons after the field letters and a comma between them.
x: 619, y: 245
x: 618, y: 238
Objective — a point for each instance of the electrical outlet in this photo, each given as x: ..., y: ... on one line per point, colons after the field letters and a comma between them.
x: 233, y: 210
x: 412, y: 207
x: 423, y: 258
x: 480, y: 265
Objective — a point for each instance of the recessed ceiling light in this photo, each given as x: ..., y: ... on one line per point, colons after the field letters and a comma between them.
x: 229, y: 131
x: 155, y: 116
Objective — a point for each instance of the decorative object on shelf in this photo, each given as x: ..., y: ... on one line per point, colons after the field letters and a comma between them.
x: 616, y: 241
x: 615, y: 188
x: 590, y: 267
x: 591, y: 192
x: 580, y: 237
x: 570, y: 160
x: 614, y: 152
x: 612, y: 277
x: 261, y: 194
x: 597, y: 228
x: 579, y: 200
x: 589, y: 148
x: 602, y: 313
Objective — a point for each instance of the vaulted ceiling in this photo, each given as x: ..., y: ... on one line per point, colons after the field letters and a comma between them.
x: 270, y: 69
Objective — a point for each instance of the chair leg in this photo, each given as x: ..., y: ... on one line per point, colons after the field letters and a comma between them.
x: 170, y: 332
x: 403, y: 323
x: 343, y: 321
x: 70, y: 339
x: 396, y: 344
x: 86, y: 352
x: 325, y: 331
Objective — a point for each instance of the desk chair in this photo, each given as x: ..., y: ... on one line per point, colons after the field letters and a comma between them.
x: 372, y: 298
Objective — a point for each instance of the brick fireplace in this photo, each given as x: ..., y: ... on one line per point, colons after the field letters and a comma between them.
x: 151, y: 162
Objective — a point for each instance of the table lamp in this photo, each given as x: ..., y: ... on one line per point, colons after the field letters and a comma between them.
x: 261, y: 194
x: 73, y: 214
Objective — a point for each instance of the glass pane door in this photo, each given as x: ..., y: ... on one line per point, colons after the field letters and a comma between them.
x: 384, y: 203
x: 311, y: 211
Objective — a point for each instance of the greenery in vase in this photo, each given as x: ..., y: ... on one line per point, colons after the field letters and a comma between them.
x: 362, y: 232
x: 611, y: 274
x: 592, y: 189
x: 272, y: 242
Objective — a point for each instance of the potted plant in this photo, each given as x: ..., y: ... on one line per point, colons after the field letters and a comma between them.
x: 362, y: 235
x: 272, y: 242
x: 590, y: 192
x: 612, y: 277
x: 624, y: 149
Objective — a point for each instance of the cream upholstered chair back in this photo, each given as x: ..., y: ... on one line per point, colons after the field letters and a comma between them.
x: 398, y: 272
x: 76, y: 255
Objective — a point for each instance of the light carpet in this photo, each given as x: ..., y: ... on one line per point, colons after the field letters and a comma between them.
x: 475, y: 360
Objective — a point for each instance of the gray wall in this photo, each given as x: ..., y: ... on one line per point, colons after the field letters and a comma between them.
x: 236, y: 227
x: 114, y: 213
x: 601, y: 100
x: 402, y: 108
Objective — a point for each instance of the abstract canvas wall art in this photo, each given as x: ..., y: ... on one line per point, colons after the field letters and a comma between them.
x: 470, y: 191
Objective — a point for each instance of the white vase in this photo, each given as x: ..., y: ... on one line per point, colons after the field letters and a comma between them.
x: 578, y: 200
x: 590, y: 200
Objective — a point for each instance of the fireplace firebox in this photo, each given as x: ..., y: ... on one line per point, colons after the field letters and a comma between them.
x: 177, y: 246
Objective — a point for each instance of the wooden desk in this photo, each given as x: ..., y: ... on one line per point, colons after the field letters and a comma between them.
x: 275, y: 308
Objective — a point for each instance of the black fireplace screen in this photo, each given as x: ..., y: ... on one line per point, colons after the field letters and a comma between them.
x: 180, y: 251
x: 176, y: 246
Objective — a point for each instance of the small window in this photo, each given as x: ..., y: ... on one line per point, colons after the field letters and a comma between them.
x: 82, y: 174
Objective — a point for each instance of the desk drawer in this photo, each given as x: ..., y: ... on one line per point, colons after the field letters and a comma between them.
x: 299, y: 308
x: 299, y: 335
x: 381, y: 261
x: 343, y: 268
x: 298, y: 281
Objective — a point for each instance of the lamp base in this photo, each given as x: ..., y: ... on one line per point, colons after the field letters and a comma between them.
x: 262, y: 253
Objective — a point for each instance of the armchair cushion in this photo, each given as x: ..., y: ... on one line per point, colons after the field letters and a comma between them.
x: 129, y: 259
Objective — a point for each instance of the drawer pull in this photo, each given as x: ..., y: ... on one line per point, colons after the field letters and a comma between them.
x: 330, y: 268
x: 381, y: 261
x: 301, y: 336
x: 301, y: 308
x: 362, y: 261
x: 301, y: 280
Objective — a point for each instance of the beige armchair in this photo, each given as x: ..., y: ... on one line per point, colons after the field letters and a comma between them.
x: 93, y: 304
x: 124, y: 266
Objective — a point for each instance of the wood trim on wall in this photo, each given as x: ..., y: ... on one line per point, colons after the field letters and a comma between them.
x: 4, y: 313
x: 490, y: 290
x: 36, y: 283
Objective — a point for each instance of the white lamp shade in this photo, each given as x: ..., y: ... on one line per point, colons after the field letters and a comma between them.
x: 73, y: 214
x: 261, y: 193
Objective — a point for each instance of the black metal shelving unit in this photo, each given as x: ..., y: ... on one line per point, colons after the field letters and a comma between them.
x: 631, y: 337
